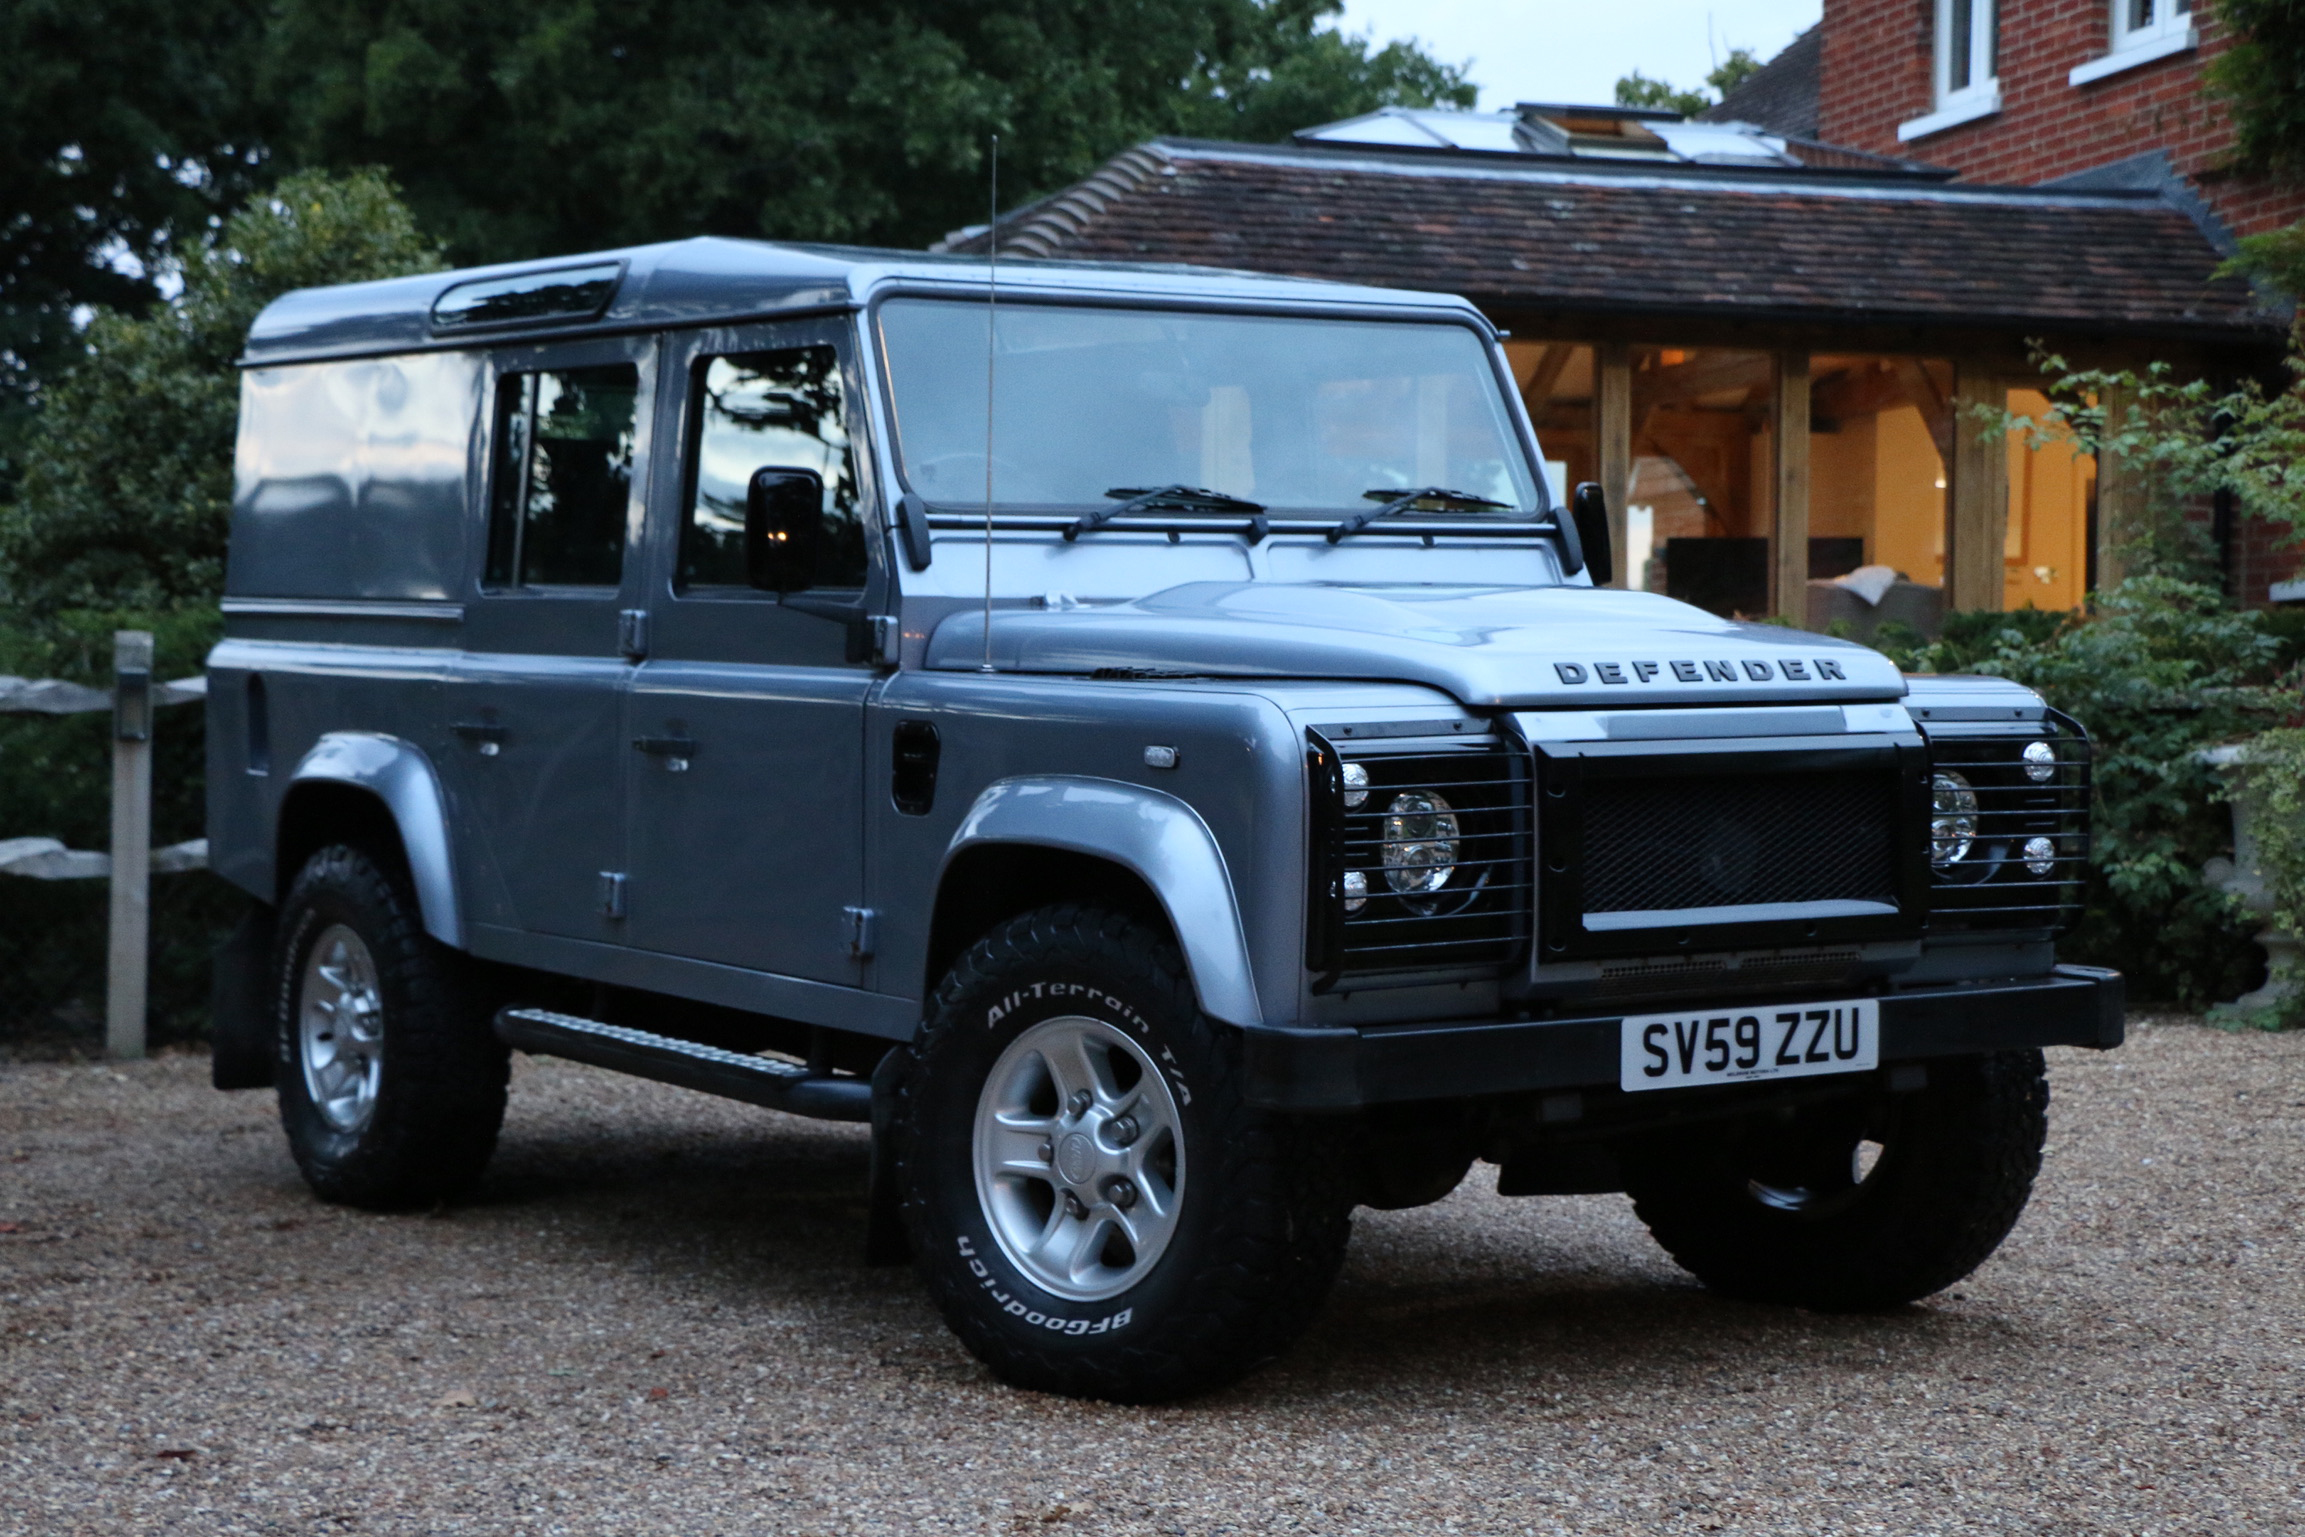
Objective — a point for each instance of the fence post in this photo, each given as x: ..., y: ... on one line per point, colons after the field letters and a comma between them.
x: 131, y: 928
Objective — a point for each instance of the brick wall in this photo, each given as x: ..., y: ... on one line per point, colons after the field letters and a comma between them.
x: 1875, y: 75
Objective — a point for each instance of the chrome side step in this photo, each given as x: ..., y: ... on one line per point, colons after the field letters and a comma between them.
x: 732, y: 1075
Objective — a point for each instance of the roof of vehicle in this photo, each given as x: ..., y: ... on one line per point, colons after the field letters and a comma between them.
x: 710, y: 279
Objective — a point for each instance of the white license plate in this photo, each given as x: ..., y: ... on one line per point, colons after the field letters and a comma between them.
x: 1697, y: 1046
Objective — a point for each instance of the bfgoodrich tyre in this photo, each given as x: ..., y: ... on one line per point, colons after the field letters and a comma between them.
x: 1092, y: 1205
x: 391, y: 1086
x: 1856, y: 1204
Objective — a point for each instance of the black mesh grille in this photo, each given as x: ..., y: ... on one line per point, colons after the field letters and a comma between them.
x: 1988, y: 884
x: 1654, y: 844
x: 1478, y: 915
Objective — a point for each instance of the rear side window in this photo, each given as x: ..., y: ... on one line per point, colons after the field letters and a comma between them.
x: 565, y: 441
x: 768, y: 410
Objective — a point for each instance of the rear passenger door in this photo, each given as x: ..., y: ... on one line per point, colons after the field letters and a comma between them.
x: 534, y: 723
x: 748, y: 716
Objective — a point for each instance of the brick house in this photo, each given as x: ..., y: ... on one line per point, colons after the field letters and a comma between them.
x: 2033, y: 92
x: 1760, y: 332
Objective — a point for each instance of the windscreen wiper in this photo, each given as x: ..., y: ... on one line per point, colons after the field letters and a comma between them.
x: 1424, y: 498
x: 1166, y: 499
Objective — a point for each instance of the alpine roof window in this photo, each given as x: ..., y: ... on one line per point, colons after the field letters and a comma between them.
x: 565, y: 444
x: 567, y: 293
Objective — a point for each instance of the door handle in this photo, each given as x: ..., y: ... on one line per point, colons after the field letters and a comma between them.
x: 675, y: 750
x: 483, y: 734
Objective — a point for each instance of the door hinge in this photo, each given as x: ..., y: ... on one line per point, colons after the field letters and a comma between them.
x: 887, y: 639
x: 632, y: 632
x: 612, y: 893
x: 862, y: 925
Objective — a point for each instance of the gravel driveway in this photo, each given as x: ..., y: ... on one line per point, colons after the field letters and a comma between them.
x: 651, y: 1319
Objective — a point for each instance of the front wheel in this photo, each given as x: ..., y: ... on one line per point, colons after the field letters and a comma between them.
x: 1094, y: 1208
x: 1858, y: 1203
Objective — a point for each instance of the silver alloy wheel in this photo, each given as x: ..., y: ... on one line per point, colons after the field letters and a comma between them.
x: 340, y: 1028
x: 1080, y: 1159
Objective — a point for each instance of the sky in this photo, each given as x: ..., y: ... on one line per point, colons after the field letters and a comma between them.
x: 1553, y: 50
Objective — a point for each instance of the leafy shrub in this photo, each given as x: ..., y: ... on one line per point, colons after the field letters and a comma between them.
x: 2159, y: 670
x: 121, y: 525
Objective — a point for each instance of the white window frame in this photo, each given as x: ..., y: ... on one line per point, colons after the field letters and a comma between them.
x: 1980, y: 95
x: 2167, y: 31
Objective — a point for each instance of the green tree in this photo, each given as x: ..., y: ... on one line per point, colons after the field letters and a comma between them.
x: 1733, y: 71
x: 2262, y: 79
x: 1638, y: 90
x: 124, y: 124
x: 539, y: 126
x: 127, y: 486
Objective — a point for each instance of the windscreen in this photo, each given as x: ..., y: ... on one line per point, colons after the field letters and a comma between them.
x: 1292, y: 413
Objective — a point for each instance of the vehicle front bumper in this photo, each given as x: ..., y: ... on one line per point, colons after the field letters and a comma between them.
x: 1337, y: 1069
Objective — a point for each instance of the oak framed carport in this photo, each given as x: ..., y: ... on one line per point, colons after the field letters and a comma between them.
x: 1726, y: 340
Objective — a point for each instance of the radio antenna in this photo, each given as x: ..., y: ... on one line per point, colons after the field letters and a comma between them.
x: 991, y: 313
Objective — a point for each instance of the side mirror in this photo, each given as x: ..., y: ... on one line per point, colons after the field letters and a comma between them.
x: 1589, y: 511
x: 783, y: 526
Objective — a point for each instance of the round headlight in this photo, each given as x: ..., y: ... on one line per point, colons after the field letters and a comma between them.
x: 1952, y: 817
x: 2040, y: 855
x: 2040, y: 762
x: 1356, y: 784
x: 1420, y: 843
x: 1356, y: 890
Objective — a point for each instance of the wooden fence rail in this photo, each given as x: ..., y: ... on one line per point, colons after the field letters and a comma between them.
x: 132, y: 861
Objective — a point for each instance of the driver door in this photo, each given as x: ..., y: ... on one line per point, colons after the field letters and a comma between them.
x: 747, y: 718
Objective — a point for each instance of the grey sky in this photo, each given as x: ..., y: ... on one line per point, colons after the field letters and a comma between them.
x: 1551, y: 50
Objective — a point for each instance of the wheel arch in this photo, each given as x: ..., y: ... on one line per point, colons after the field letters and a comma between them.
x: 1029, y: 841
x: 381, y: 792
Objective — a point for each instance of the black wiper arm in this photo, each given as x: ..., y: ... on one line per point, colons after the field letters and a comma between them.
x: 1165, y: 498
x: 1439, y: 498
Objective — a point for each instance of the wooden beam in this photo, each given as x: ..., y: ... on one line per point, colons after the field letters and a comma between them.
x: 1712, y: 374
x: 1935, y: 409
x: 1977, y: 524
x: 1551, y: 364
x: 2120, y: 497
x: 1789, y: 484
x: 1613, y: 412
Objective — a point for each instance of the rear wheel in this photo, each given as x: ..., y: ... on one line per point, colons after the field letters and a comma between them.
x: 391, y: 1086
x: 1094, y: 1208
x: 1854, y: 1204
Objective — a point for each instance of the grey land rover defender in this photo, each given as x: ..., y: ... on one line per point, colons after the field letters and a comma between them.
x: 1146, y: 741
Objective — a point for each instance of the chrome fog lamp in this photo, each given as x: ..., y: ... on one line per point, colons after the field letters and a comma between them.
x: 1952, y: 819
x: 2040, y: 855
x: 2040, y: 762
x: 1356, y: 785
x: 1420, y: 843
x: 1356, y: 890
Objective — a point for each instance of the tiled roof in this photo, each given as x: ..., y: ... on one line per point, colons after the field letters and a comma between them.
x: 1717, y: 244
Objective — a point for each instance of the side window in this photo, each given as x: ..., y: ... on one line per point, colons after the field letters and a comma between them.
x: 764, y: 410
x: 564, y: 448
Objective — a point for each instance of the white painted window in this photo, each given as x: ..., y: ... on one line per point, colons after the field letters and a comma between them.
x: 1968, y: 49
x: 2141, y: 31
x: 2142, y: 23
x: 1966, y: 70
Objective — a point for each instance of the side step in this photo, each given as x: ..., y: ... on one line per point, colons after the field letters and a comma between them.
x: 755, y: 1080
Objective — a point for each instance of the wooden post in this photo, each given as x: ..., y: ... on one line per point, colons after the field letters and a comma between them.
x: 1789, y: 485
x: 131, y: 929
x: 1613, y: 446
x: 2120, y: 496
x: 1977, y: 521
